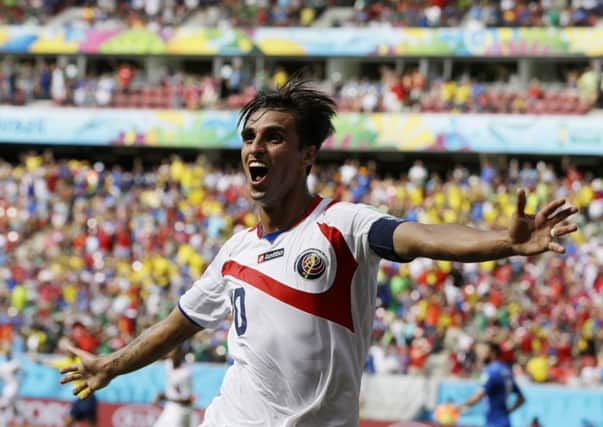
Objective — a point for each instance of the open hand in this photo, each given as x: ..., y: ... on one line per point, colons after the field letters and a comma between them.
x: 89, y: 373
x: 535, y: 234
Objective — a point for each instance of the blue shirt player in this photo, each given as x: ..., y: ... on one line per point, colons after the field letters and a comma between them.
x: 497, y: 384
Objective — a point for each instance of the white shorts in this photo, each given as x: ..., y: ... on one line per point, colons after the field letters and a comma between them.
x: 174, y: 415
x: 8, y: 411
x: 8, y: 400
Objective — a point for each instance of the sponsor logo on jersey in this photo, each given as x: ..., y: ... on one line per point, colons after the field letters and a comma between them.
x: 267, y: 256
x: 311, y: 264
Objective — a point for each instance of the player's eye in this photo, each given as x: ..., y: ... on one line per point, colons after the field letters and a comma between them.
x: 247, y: 137
x: 275, y: 137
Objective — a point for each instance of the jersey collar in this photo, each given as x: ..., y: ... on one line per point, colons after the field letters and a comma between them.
x: 271, y: 237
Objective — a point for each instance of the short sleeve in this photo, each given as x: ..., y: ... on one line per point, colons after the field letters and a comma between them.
x: 485, y: 381
x: 355, y: 221
x: 207, y: 302
x: 364, y: 219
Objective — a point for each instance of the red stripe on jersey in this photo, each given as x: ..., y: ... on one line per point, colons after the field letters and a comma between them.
x: 335, y: 304
x: 315, y: 202
x: 331, y: 203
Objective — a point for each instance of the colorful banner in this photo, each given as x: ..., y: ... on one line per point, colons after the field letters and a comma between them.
x: 513, y: 134
x: 493, y: 42
x: 127, y: 41
x: 52, y: 413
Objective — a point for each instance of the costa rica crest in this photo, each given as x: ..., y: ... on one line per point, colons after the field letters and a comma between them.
x: 311, y: 264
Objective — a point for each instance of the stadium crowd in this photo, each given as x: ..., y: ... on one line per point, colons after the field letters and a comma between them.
x: 127, y: 86
x: 98, y: 253
x: 251, y: 13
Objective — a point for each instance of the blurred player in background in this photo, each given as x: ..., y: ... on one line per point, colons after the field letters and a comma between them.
x: 82, y: 411
x: 10, y: 370
x: 497, y: 384
x: 301, y: 285
x: 178, y: 395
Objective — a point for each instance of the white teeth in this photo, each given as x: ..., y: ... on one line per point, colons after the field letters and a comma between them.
x: 258, y: 164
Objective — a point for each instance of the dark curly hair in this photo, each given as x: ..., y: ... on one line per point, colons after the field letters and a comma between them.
x: 312, y: 109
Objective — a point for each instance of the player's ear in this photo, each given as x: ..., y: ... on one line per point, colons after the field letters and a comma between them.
x: 310, y: 153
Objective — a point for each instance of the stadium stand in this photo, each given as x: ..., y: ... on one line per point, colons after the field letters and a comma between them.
x: 417, y: 13
x: 126, y: 86
x: 101, y: 252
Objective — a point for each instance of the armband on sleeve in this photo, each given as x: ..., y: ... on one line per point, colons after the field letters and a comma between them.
x: 381, y: 238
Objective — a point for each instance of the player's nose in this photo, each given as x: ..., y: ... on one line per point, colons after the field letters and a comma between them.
x: 256, y: 147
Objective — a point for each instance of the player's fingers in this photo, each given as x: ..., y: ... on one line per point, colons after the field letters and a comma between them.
x: 85, y: 394
x: 79, y: 388
x: 521, y: 201
x: 563, y: 214
x: 71, y: 368
x: 564, y: 228
x: 71, y: 377
x: 73, y: 350
x: 551, y: 207
x: 556, y: 247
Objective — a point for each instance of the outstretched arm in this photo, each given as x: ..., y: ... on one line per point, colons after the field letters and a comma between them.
x: 526, y: 235
x: 476, y: 397
x: 96, y: 372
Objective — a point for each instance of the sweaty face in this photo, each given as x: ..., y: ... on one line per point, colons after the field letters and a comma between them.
x: 273, y: 161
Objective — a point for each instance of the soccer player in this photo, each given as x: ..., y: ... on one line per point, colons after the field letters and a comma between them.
x: 301, y: 285
x: 497, y: 384
x: 10, y: 370
x: 178, y: 392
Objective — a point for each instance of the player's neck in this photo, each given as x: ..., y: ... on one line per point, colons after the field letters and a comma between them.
x: 285, y: 213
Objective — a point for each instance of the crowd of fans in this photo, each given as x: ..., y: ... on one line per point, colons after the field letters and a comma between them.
x: 99, y: 13
x: 251, y: 13
x: 127, y: 86
x: 478, y: 13
x: 99, y: 252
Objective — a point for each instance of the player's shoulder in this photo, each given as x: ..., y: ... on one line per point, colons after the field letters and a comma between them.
x: 495, y: 368
x: 238, y: 237
x: 243, y: 233
x: 337, y: 208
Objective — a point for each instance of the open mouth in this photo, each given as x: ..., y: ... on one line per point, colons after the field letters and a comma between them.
x: 257, y: 171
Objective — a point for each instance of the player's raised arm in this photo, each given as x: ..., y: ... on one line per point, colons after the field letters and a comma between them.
x: 95, y: 372
x: 526, y: 235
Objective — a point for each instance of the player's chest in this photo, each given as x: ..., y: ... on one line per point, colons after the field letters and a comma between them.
x: 303, y: 261
x: 310, y: 270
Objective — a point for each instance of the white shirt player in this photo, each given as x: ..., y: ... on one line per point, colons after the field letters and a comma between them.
x: 178, y: 386
x: 302, y: 302
x: 9, y: 377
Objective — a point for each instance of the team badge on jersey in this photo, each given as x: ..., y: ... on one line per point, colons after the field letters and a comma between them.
x: 311, y: 264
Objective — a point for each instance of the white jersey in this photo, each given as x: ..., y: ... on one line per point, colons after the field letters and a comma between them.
x: 302, y: 308
x: 178, y: 386
x: 9, y: 377
x: 179, y: 381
